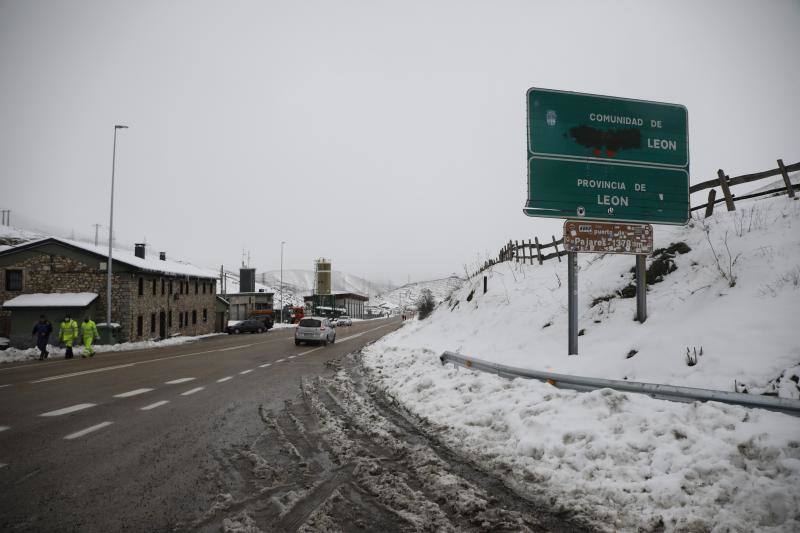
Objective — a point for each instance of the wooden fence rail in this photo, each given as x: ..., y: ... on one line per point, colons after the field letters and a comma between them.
x: 516, y: 250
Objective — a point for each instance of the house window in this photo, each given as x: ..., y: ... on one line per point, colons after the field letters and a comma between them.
x: 205, y: 315
x: 141, y: 286
x: 139, y: 326
x: 196, y: 286
x: 194, y: 317
x: 13, y: 280
x: 162, y: 286
x: 204, y: 287
x: 152, y: 322
x: 170, y: 286
x: 180, y: 320
x: 154, y: 287
x: 186, y: 318
x: 169, y: 320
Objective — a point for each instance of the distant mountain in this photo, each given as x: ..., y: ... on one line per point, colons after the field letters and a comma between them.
x: 407, y: 295
x: 302, y: 281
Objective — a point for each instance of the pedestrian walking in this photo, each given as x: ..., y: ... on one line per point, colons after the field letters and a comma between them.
x: 89, y: 332
x: 42, y: 331
x: 68, y: 334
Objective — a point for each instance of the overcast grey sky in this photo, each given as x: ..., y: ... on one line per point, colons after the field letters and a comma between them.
x: 388, y: 136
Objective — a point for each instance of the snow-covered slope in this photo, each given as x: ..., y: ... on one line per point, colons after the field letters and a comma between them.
x: 626, y: 461
x: 409, y: 294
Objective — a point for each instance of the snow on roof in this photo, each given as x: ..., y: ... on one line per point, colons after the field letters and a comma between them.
x: 56, y: 299
x: 127, y: 257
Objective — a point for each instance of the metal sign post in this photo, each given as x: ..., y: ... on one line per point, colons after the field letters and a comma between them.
x: 641, y: 288
x: 572, y: 304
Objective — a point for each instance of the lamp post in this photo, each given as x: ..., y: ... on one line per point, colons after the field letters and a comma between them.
x: 111, y: 231
x: 282, y: 243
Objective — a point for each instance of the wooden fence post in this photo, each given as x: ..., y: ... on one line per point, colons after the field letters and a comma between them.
x: 786, y: 180
x: 723, y: 183
x: 516, y: 251
x: 530, y: 247
x: 538, y: 250
x: 555, y: 245
x: 712, y: 195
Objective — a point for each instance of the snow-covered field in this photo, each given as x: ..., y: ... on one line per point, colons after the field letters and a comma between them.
x: 627, y: 461
x: 57, y: 352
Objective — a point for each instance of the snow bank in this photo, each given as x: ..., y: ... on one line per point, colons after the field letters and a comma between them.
x: 57, y: 352
x: 625, y: 460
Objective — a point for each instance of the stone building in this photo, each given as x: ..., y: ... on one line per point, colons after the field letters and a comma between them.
x: 151, y: 298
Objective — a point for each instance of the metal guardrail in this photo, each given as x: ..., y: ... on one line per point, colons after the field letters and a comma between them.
x: 654, y: 390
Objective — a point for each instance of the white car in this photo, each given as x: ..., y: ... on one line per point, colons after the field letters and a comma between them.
x: 318, y: 330
x: 344, y: 320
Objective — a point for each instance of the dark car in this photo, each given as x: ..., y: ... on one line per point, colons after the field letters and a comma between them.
x: 251, y: 325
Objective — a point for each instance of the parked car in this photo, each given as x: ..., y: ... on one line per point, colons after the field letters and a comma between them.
x: 251, y: 325
x: 318, y: 330
x: 344, y: 320
x: 267, y: 320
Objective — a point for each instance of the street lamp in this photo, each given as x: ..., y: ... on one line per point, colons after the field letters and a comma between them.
x: 282, y: 243
x: 111, y: 231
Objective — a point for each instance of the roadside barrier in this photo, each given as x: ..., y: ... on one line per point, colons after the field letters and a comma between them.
x: 654, y: 390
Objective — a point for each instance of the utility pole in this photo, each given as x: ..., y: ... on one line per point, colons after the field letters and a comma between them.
x: 111, y: 233
x: 96, y: 234
x: 282, y: 243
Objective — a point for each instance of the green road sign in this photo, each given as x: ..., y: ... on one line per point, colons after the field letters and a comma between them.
x: 591, y: 189
x: 605, y: 128
x: 606, y: 158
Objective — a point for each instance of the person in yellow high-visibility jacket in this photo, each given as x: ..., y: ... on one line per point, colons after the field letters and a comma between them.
x: 68, y: 333
x: 89, y: 332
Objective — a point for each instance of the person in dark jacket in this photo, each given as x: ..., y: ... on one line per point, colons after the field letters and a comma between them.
x: 42, y: 331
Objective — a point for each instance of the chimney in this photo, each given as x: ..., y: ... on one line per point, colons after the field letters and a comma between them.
x: 162, y: 256
x: 139, y: 249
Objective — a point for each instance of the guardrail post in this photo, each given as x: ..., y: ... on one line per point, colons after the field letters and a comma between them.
x: 786, y: 180
x: 572, y: 301
x: 723, y: 183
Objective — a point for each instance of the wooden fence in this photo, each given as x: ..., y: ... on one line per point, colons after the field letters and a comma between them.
x: 725, y: 183
x: 516, y: 250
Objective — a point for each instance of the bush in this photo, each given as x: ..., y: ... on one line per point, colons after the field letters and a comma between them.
x: 425, y: 304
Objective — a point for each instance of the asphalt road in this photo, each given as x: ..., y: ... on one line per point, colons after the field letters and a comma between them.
x: 131, y: 441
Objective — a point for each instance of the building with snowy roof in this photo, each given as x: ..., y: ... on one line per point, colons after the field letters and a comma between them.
x: 152, y: 298
x: 337, y: 303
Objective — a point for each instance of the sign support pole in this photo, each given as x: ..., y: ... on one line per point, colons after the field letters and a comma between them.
x: 641, y: 288
x: 572, y: 303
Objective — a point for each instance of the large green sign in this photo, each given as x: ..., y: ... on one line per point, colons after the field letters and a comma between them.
x: 597, y: 190
x: 607, y: 158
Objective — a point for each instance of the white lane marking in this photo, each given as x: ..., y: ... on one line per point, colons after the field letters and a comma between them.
x: 3, y: 428
x: 67, y: 410
x: 291, y: 357
x: 280, y: 360
x: 73, y: 374
x: 351, y: 337
x: 177, y: 381
x: 246, y: 371
x: 2, y: 465
x: 6, y: 385
x: 132, y: 393
x: 222, y: 380
x: 154, y: 405
x: 309, y: 351
x: 192, y: 391
x: 88, y: 430
x: 265, y: 365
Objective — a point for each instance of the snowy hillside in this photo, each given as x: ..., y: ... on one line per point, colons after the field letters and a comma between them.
x: 628, y: 462
x: 291, y: 296
x: 302, y: 281
x: 407, y: 295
